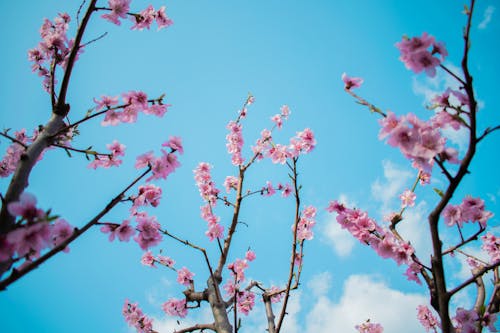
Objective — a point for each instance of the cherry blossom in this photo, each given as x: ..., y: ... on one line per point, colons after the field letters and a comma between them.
x: 351, y: 82
x: 184, y: 276
x: 175, y: 307
x: 26, y: 208
x: 427, y: 318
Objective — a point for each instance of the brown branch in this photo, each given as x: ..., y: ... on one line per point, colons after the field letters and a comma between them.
x: 16, y: 274
x: 488, y: 131
x: 13, y: 139
x: 473, y: 278
x: 62, y: 108
x: 464, y: 242
x: 294, y: 248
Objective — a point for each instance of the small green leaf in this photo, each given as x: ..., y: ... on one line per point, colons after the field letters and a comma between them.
x: 438, y: 191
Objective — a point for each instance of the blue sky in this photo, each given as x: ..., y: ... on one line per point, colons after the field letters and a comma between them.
x: 215, y: 54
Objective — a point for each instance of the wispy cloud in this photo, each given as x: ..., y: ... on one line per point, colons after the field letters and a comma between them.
x: 340, y: 240
x: 488, y: 13
x: 362, y: 299
x: 320, y: 284
x: 396, y: 179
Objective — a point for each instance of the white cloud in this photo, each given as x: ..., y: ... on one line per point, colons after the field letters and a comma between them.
x: 320, y: 284
x: 341, y: 241
x: 396, y: 180
x: 488, y: 13
x: 414, y: 228
x: 364, y: 297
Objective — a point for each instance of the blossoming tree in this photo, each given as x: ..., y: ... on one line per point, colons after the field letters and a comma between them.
x: 425, y: 146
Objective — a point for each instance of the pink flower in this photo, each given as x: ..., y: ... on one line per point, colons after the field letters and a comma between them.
x: 175, y: 307
x: 31, y: 239
x: 231, y: 182
x: 369, y: 327
x: 148, y: 259
x: 407, y: 198
x: 161, y: 18
x: 144, y: 160
x: 136, y: 318
x: 184, y: 276
x: 167, y: 261
x: 105, y: 102
x: 245, y: 300
x: 351, y: 82
x: 149, y: 234
x: 269, y: 189
x: 491, y: 244
x: 144, y: 19
x: 250, y: 255
x: 276, y: 298
x: 25, y: 207
x: 174, y: 143
x: 61, y: 230
x: 119, y: 9
x: 149, y: 194
x: 416, y: 55
x: 235, y: 142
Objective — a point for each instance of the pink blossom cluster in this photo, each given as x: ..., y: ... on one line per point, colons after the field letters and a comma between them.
x: 270, y: 190
x: 148, y: 229
x: 306, y: 223
x: 381, y: 240
x: 13, y: 154
x: 245, y: 301
x: 279, y: 117
x: 368, y: 327
x: 163, y: 165
x: 175, y: 307
x: 419, y: 141
x: 33, y: 232
x: 303, y: 143
x: 231, y: 182
x: 209, y: 193
x: 491, y: 244
x: 136, y: 318
x: 235, y: 142
x: 148, y: 259
x: 466, y: 321
x: 427, y: 318
x: 446, y: 102
x: 53, y: 49
x: 149, y: 194
x: 418, y: 53
x: 185, y: 276
x: 120, y: 9
x: 133, y: 103
x: 105, y: 161
x: 470, y: 210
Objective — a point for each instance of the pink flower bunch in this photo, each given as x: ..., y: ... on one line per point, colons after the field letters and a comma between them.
x: 149, y: 231
x: 231, y: 182
x: 185, y: 276
x: 306, y: 223
x: 268, y: 190
x: 105, y: 161
x: 235, y: 142
x: 136, y: 318
x: 245, y: 301
x: 123, y: 231
x: 351, y: 82
x: 418, y: 53
x: 470, y: 210
x: 54, y: 48
x: 237, y: 269
x: 34, y: 232
x: 304, y: 142
x: 367, y: 231
x: 144, y: 19
x: 133, y: 103
x: 148, y: 259
x: 283, y: 115
x: 175, y: 307
x: 149, y: 194
x: 163, y: 165
x: 491, y: 244
x: 262, y: 144
x: 444, y: 102
x: 286, y: 189
x: 427, y: 318
x: 209, y: 193
x: 250, y: 255
x: 419, y: 141
x: 368, y: 327
x: 13, y: 154
x: 466, y: 321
